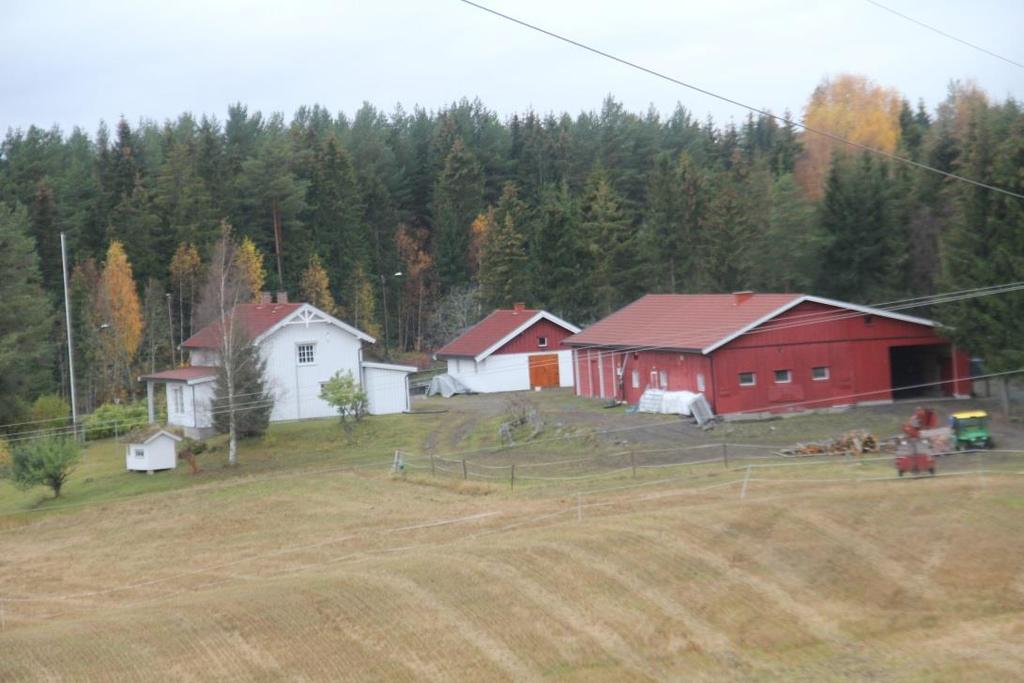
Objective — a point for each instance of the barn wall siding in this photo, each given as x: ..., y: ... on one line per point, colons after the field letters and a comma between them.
x: 526, y: 341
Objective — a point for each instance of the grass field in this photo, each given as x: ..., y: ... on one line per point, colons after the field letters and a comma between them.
x: 312, y: 562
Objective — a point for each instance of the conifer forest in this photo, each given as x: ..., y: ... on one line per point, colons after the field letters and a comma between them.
x: 413, y: 224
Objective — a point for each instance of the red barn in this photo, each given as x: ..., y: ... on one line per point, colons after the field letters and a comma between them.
x: 751, y: 352
x: 512, y: 349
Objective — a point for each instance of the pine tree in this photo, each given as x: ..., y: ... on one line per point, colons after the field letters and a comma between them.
x: 361, y: 303
x: 186, y: 274
x: 559, y: 260
x: 315, y: 286
x: 26, y: 319
x: 335, y: 209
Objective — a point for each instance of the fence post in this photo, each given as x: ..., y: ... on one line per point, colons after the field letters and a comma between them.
x: 632, y: 462
x: 464, y: 476
x: 746, y: 478
x: 432, y: 473
x: 512, y: 478
x: 725, y: 455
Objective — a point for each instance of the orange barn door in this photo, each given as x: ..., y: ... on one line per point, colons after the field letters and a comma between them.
x: 544, y: 370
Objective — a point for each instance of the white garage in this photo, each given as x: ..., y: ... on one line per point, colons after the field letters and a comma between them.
x: 387, y: 387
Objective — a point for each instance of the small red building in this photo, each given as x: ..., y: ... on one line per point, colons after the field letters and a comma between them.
x: 750, y: 352
x: 512, y: 349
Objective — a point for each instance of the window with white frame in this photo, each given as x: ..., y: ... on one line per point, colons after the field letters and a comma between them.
x: 663, y: 379
x: 819, y: 373
x: 140, y: 452
x: 178, y: 397
x: 636, y: 379
x: 306, y: 354
x: 783, y: 376
x: 748, y: 379
x: 542, y: 342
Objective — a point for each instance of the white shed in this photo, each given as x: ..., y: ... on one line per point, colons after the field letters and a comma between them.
x: 157, y: 452
x: 387, y: 387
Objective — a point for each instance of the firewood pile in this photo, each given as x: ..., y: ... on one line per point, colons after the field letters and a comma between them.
x: 855, y: 442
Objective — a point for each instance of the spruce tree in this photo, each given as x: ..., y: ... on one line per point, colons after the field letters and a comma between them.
x: 253, y: 404
x: 502, y: 263
x: 612, y: 244
x: 26, y: 319
x: 458, y: 197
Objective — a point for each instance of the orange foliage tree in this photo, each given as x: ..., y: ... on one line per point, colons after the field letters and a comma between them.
x: 413, y: 250
x: 851, y: 107
x: 122, y: 318
x: 316, y: 287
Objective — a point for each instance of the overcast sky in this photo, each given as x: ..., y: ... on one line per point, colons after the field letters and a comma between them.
x: 75, y: 62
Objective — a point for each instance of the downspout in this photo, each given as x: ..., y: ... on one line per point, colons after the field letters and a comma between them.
x: 714, y: 385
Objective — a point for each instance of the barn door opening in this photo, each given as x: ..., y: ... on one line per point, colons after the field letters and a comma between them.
x: 544, y: 370
x: 918, y: 371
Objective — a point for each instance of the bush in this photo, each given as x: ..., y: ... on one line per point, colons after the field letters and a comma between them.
x: 347, y: 397
x: 49, y: 411
x: 47, y: 461
x: 5, y: 457
x: 116, y: 418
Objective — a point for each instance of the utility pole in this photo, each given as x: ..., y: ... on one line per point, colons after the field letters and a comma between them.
x: 67, y: 323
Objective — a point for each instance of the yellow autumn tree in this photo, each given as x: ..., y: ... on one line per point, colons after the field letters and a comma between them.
x: 186, y: 269
x: 478, y: 230
x: 250, y: 260
x: 316, y: 287
x: 362, y: 302
x: 851, y: 107
x: 122, y: 318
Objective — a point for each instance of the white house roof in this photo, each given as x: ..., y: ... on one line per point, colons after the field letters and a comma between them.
x: 390, y: 366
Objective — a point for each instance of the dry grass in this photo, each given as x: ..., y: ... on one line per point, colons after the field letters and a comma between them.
x: 358, y: 575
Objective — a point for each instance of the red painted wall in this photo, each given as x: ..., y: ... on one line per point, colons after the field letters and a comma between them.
x: 526, y: 341
x: 855, y: 350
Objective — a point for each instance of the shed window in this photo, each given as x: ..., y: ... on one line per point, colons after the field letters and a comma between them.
x: 819, y: 373
x: 140, y: 452
x: 636, y: 379
x: 542, y: 342
x: 307, y: 354
x: 663, y: 379
x: 783, y: 376
x: 178, y: 396
x: 748, y: 379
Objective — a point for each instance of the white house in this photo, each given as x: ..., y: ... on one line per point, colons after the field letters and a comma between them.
x: 303, y: 348
x: 155, y: 452
x: 512, y: 350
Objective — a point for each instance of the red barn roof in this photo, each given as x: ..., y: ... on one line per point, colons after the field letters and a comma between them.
x: 700, y: 322
x: 254, y: 320
x: 494, y: 330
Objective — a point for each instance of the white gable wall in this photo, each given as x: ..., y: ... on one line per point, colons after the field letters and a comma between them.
x: 196, y: 399
x: 506, y: 371
x: 296, y: 388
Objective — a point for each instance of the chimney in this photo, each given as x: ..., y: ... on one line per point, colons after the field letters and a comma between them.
x: 265, y: 298
x: 518, y: 308
x: 282, y: 297
x: 740, y: 297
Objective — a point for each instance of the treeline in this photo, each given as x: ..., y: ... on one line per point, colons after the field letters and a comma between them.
x: 410, y: 224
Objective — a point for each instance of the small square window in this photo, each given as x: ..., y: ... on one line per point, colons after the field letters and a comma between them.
x: 748, y: 379
x: 307, y: 354
x: 820, y: 373
x: 542, y: 342
x: 783, y: 376
x: 140, y: 453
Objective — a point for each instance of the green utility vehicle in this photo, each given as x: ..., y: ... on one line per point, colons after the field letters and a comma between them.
x: 970, y: 430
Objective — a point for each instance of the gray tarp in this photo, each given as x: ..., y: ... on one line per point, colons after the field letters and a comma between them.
x: 446, y: 386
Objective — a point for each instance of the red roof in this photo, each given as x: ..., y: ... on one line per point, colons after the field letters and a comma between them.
x: 254, y: 320
x: 680, y: 321
x: 487, y: 332
x: 188, y: 374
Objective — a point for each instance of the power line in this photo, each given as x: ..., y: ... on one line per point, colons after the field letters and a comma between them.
x: 729, y: 100
x: 912, y: 20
